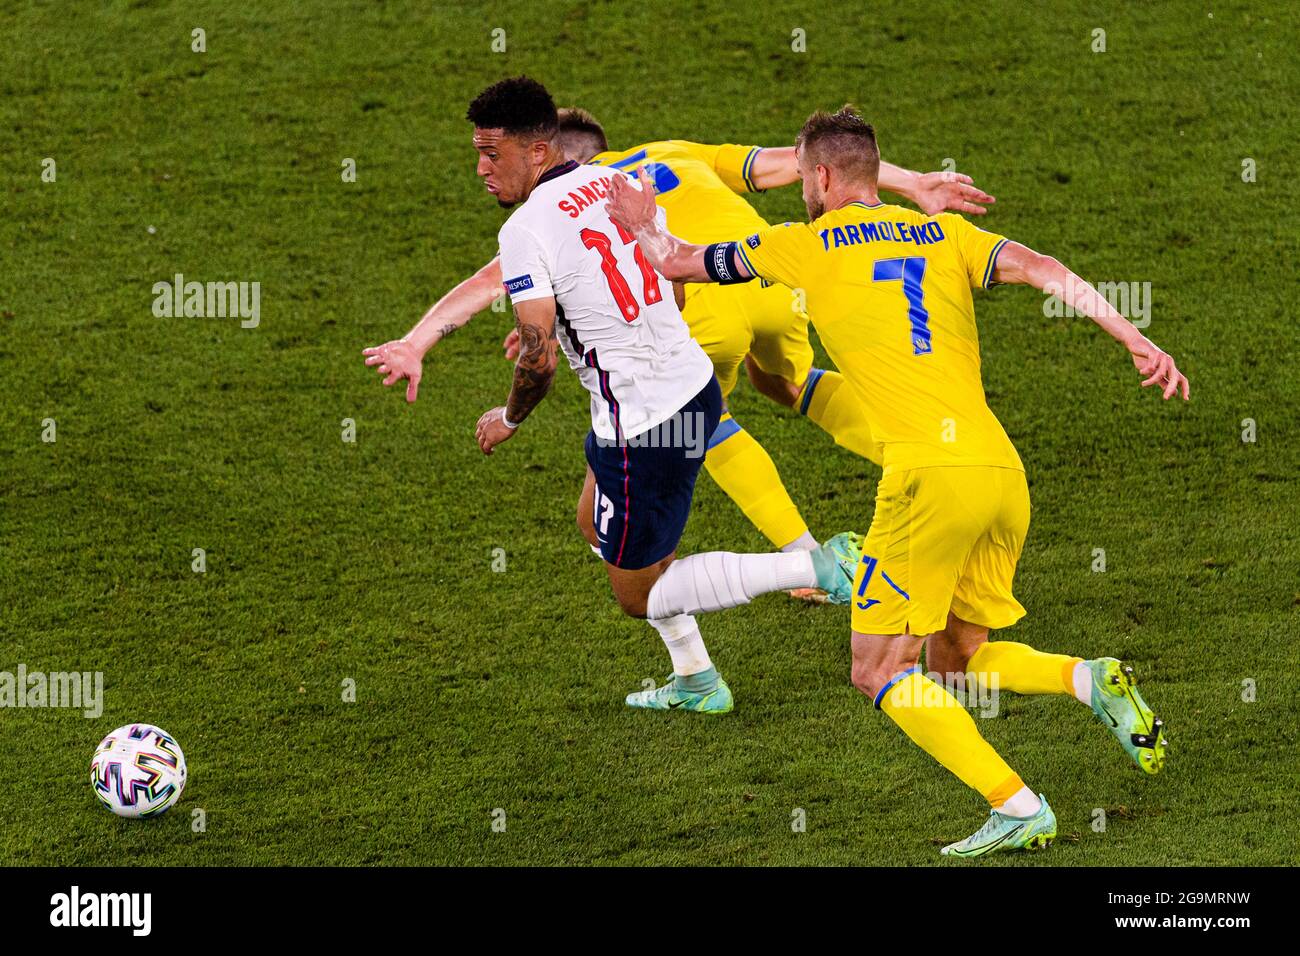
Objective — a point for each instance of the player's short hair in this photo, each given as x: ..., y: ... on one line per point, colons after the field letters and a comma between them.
x: 842, y: 140
x: 580, y: 133
x: 519, y: 105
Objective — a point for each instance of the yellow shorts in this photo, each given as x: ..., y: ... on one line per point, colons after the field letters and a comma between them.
x: 943, y: 538
x: 732, y: 321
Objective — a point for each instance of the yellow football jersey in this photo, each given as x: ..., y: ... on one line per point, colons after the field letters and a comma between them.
x: 889, y: 291
x: 697, y: 186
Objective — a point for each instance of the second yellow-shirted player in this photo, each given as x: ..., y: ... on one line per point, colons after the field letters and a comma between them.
x: 889, y: 291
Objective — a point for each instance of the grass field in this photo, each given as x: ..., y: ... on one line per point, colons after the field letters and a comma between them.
x: 373, y: 561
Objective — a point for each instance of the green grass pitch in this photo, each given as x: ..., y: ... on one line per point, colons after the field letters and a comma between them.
x: 372, y: 561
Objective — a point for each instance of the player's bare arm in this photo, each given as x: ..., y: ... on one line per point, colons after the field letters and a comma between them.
x: 534, y: 372
x: 1020, y: 264
x: 671, y: 257
x: 510, y: 344
x: 403, y: 358
x: 932, y: 193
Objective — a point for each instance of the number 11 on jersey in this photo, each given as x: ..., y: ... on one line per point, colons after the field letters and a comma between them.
x: 623, y: 297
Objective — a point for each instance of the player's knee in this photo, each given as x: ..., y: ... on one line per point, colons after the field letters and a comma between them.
x: 866, y: 677
x: 771, y: 386
x: 949, y: 651
x: 945, y: 657
x: 633, y: 605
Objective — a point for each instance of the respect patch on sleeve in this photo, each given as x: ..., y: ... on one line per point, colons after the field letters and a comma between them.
x: 519, y: 284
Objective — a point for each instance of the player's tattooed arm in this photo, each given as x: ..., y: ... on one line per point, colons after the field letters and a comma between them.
x: 635, y: 211
x: 457, y: 307
x: 535, y: 366
x: 1016, y: 263
x: 534, y: 372
x: 403, y: 358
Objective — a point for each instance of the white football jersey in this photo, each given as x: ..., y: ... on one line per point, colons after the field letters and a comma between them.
x: 616, y: 318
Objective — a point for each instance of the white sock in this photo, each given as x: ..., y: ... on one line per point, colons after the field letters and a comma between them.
x: 805, y: 542
x: 685, y: 645
x: 1083, y: 683
x: 1023, y: 803
x: 719, y: 579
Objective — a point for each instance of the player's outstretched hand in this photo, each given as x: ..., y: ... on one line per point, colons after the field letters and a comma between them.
x: 397, y: 360
x: 630, y: 207
x: 1159, y: 368
x: 950, y: 192
x: 491, y: 430
x: 511, y: 344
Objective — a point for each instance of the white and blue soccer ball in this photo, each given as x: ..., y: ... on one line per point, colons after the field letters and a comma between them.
x: 138, y: 771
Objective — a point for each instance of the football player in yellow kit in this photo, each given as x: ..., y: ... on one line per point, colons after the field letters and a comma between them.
x: 889, y: 290
x: 761, y: 325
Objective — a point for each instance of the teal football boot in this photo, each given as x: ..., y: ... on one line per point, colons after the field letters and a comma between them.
x: 1002, y: 833
x: 835, y: 563
x: 671, y: 696
x: 1120, y: 707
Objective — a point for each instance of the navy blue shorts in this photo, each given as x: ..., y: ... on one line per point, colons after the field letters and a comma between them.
x: 644, y: 484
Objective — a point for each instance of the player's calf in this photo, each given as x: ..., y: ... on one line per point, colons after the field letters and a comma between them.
x: 632, y: 588
x: 949, y: 651
x: 714, y: 580
x: 771, y: 386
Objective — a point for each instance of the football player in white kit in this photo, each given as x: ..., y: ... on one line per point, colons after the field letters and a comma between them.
x: 581, y: 285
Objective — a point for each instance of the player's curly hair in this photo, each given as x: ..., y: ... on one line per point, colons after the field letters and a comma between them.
x: 842, y: 140
x: 519, y: 105
x: 581, y: 134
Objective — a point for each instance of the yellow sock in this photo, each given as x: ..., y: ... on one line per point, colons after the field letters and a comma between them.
x: 941, y: 727
x: 829, y: 401
x: 746, y: 472
x: 1023, y: 670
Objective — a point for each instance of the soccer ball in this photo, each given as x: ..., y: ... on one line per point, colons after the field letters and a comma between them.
x: 138, y: 771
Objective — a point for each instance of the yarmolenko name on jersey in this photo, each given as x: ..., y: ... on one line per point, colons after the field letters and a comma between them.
x: 852, y: 235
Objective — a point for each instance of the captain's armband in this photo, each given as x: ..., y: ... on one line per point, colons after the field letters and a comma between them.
x: 722, y: 263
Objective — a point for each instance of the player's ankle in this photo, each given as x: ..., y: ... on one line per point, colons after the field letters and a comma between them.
x: 805, y: 542
x: 1082, y: 682
x: 1021, y: 804
x: 704, y: 682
